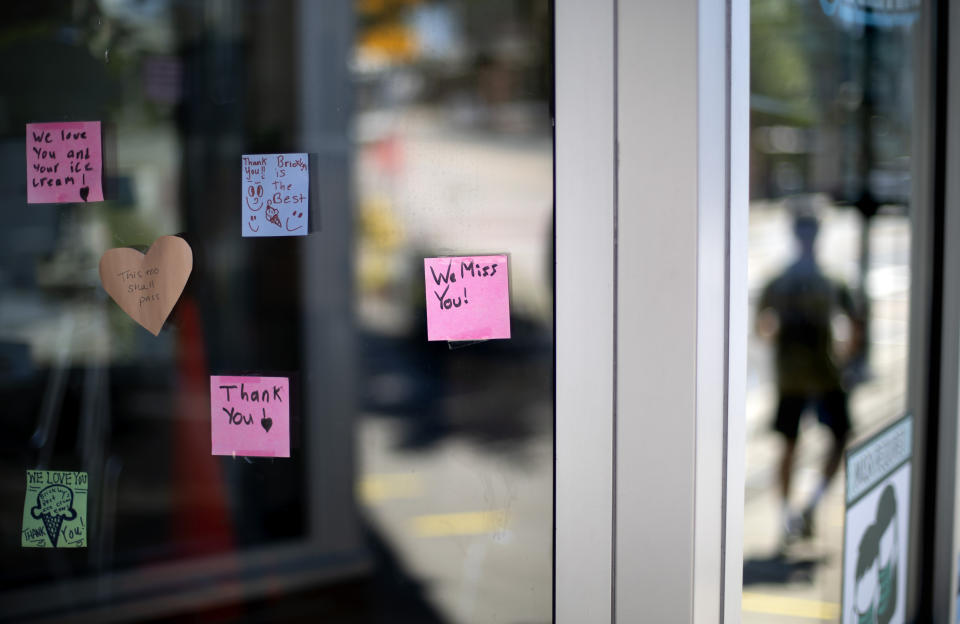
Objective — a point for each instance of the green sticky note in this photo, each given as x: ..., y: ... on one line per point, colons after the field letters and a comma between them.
x: 55, y: 510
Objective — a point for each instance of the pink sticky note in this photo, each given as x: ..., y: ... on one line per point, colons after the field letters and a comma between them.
x: 64, y: 162
x: 250, y: 416
x: 468, y: 298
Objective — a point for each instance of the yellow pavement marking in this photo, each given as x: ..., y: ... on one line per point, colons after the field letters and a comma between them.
x: 466, y: 523
x: 374, y: 488
x: 796, y: 607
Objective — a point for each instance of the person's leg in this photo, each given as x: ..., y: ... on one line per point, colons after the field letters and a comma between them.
x: 833, y: 413
x: 832, y: 463
x: 788, y: 450
x: 787, y: 423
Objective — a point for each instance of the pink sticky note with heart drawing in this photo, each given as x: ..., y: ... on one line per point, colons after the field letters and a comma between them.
x: 250, y: 416
x: 468, y: 298
x: 64, y: 162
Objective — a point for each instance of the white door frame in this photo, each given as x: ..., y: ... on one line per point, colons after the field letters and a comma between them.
x: 651, y: 184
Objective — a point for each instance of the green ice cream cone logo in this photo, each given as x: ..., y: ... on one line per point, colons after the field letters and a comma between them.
x: 54, y: 504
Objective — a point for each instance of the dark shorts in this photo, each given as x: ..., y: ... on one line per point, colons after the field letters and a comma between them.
x: 831, y: 411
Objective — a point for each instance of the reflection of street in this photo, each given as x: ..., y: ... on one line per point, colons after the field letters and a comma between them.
x: 474, y: 527
x: 455, y: 470
x: 430, y: 189
x: 804, y: 582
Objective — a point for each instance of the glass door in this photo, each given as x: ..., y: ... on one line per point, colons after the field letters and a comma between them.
x: 831, y: 268
x: 418, y: 484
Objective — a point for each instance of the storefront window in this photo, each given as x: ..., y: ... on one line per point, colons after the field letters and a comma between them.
x: 419, y: 483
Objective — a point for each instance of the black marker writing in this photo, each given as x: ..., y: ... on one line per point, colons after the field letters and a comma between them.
x: 236, y: 417
x: 476, y: 270
x: 77, y: 160
x: 446, y: 304
x: 446, y: 277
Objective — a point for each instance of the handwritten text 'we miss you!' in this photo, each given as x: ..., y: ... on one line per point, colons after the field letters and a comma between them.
x: 449, y: 277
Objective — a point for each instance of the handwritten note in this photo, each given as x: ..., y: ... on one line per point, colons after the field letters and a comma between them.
x: 55, y: 510
x: 250, y: 416
x: 64, y: 162
x: 147, y: 286
x: 467, y: 298
x: 276, y: 191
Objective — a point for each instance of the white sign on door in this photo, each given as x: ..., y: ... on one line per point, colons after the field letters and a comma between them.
x: 876, y: 527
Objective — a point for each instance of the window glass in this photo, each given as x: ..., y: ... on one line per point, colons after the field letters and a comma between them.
x: 419, y: 485
x: 829, y: 279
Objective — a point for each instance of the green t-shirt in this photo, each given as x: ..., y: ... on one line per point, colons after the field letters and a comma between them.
x: 804, y: 301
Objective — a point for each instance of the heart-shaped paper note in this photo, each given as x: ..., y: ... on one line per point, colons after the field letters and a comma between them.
x: 146, y: 286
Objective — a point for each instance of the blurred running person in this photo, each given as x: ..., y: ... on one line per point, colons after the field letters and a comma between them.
x: 797, y: 309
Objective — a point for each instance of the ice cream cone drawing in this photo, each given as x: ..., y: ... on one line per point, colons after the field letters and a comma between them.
x: 273, y: 216
x: 54, y: 503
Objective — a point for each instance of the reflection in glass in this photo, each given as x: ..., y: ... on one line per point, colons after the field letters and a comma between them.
x: 831, y: 106
x: 420, y: 482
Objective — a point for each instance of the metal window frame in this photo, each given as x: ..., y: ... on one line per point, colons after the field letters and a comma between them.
x: 938, y: 144
x: 934, y: 348
x: 585, y: 183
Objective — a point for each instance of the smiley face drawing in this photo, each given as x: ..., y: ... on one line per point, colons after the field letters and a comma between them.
x: 254, y: 197
x: 253, y: 219
x: 294, y: 215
